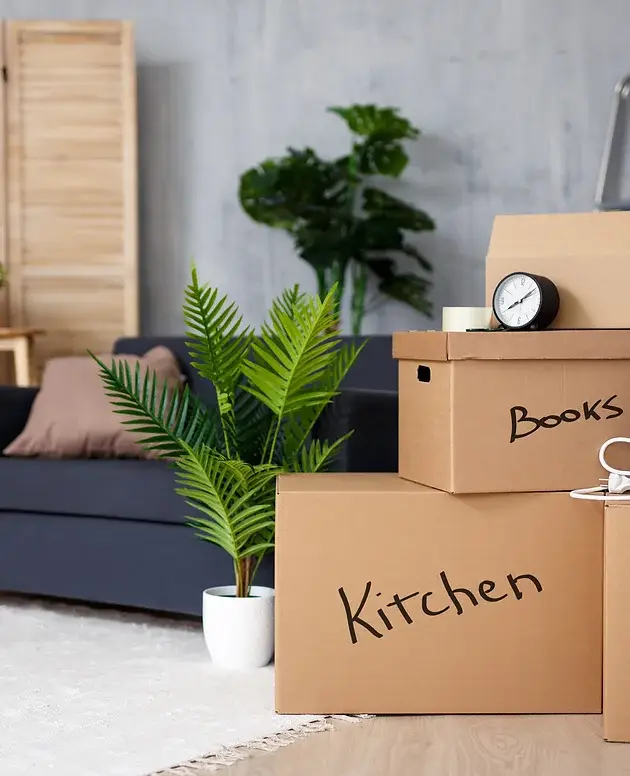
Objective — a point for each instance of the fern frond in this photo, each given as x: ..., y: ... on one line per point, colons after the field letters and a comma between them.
x: 218, y: 343
x: 252, y: 421
x: 289, y: 359
x: 166, y: 421
x: 235, y: 500
x: 300, y: 424
x: 288, y: 299
x: 317, y: 456
x: 210, y: 485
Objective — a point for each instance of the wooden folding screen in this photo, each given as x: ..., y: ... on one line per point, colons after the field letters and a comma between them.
x: 68, y: 206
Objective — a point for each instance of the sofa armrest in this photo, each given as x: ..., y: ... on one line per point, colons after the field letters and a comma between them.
x: 373, y: 418
x: 15, y: 407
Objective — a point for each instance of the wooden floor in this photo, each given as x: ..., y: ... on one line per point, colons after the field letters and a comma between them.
x: 448, y: 746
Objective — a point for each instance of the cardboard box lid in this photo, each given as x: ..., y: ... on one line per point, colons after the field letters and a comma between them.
x: 560, y: 235
x: 332, y: 482
x: 553, y: 344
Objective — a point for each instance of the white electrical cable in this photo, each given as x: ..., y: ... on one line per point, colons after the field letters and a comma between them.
x: 599, y: 494
x: 618, y: 483
x: 602, y: 459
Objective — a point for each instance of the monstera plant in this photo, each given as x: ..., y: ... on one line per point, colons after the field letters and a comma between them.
x: 346, y: 227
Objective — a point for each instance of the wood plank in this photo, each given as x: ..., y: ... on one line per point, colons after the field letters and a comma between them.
x: 72, y: 183
x: 447, y: 746
x: 6, y: 362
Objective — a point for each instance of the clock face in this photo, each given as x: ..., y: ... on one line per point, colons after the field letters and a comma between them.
x: 517, y: 300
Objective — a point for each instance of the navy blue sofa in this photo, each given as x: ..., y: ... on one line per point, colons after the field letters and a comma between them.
x: 113, y: 531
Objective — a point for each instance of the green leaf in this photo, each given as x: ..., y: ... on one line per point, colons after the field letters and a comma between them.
x: 287, y: 300
x: 235, y: 501
x: 326, y: 241
x: 381, y: 156
x: 300, y: 424
x: 262, y: 197
x: 166, y: 421
x: 285, y: 192
x: 380, y: 152
x: 291, y: 354
x: 408, y: 288
x: 288, y: 362
x: 383, y: 207
x: 252, y: 421
x: 384, y: 268
x: 411, y: 250
x: 317, y: 456
x: 217, y: 343
x: 366, y: 120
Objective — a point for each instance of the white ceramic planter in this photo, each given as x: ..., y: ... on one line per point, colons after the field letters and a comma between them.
x: 239, y: 632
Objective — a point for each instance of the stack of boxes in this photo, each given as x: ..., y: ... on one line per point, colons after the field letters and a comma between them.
x: 470, y: 582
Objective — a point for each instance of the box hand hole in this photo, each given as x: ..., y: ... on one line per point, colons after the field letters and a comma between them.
x: 424, y: 374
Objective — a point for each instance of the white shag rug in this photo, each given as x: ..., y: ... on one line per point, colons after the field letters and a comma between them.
x: 92, y: 692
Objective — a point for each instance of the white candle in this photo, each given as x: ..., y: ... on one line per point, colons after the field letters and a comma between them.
x: 462, y: 318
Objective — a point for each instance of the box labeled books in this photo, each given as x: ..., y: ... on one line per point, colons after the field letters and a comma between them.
x: 492, y: 412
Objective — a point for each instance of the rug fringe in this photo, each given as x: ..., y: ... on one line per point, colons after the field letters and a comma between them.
x: 231, y: 755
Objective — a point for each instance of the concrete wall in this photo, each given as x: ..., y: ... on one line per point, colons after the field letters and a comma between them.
x: 513, y: 97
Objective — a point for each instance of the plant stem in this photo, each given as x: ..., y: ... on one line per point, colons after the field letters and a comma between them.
x: 322, y: 285
x: 338, y: 276
x: 226, y: 439
x: 359, y: 274
x: 244, y: 568
x: 359, y: 288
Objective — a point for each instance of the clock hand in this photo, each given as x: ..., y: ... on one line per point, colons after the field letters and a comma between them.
x: 520, y: 301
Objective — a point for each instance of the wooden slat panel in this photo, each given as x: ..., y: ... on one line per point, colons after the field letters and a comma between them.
x: 72, y: 183
x: 4, y: 300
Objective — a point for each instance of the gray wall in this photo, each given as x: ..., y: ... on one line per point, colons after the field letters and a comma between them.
x: 513, y: 97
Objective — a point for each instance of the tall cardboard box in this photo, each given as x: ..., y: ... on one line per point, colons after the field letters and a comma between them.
x: 492, y: 412
x: 587, y: 256
x: 393, y: 598
x: 617, y: 622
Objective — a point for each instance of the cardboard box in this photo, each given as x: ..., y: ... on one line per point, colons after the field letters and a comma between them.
x: 393, y: 598
x: 587, y: 255
x: 617, y: 622
x: 492, y: 412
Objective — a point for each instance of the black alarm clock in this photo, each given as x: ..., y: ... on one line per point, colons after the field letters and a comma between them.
x: 525, y: 301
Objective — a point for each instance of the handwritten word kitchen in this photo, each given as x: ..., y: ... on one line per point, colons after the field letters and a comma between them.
x: 404, y: 610
x: 523, y: 425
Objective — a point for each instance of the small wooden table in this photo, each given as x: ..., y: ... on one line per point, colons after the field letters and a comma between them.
x: 20, y: 342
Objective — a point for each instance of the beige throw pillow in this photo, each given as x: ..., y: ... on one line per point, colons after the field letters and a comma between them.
x: 72, y: 417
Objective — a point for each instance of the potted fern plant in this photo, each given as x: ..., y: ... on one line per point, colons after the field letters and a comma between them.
x: 271, y: 388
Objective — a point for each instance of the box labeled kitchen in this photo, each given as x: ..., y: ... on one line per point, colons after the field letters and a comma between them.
x: 616, y: 701
x: 492, y: 412
x: 394, y: 598
x: 586, y: 255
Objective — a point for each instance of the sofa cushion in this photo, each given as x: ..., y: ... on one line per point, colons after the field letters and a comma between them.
x: 72, y: 417
x: 125, y: 489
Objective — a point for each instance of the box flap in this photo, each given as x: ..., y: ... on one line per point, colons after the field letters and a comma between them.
x: 347, y: 483
x: 558, y: 235
x: 432, y: 344
x: 554, y: 344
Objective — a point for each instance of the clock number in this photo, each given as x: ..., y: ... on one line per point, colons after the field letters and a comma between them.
x: 522, y: 281
x: 502, y: 302
x: 519, y: 319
